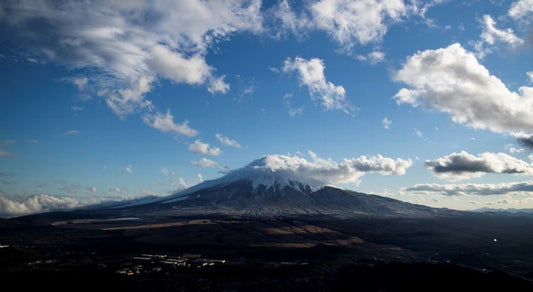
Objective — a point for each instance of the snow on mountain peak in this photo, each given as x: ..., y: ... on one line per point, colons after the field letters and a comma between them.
x: 276, y: 171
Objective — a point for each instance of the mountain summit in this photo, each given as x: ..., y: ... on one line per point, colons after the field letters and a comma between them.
x: 276, y: 185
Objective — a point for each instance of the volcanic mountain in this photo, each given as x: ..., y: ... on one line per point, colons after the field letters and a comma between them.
x: 263, y: 188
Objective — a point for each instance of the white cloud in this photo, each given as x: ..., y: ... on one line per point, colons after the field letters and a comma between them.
x: 92, y: 189
x: 492, y: 35
x: 165, y: 123
x: 530, y: 75
x: 329, y: 171
x: 452, y: 81
x: 513, y: 150
x: 227, y: 141
x: 200, y: 177
x: 517, y: 188
x: 311, y: 74
x: 5, y: 153
x: 386, y: 123
x: 462, y: 165
x: 205, y: 163
x: 201, y: 148
x: 521, y: 8
x: 35, y: 204
x: 419, y: 133
x: 164, y: 171
x: 73, y: 132
x: 129, y: 44
x: 128, y: 169
x: 351, y: 22
x: 218, y: 85
x: 373, y: 58
x: 76, y: 108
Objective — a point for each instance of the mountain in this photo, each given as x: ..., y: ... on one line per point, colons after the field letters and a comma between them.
x: 260, y: 189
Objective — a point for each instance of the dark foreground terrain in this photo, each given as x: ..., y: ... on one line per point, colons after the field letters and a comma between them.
x: 81, y: 251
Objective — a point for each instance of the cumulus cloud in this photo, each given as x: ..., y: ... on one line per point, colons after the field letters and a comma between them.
x: 521, y: 8
x: 165, y: 123
x: 492, y: 35
x: 519, y: 188
x: 128, y: 45
x: 451, y: 80
x: 201, y: 148
x: 386, y: 123
x: 329, y: 171
x: 462, y: 165
x: 200, y: 177
x: 205, y: 163
x: 10, y: 207
x: 352, y: 22
x: 311, y: 75
x: 227, y: 141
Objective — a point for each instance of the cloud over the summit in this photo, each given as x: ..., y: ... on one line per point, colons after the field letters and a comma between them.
x: 350, y: 170
x: 462, y: 165
x: 452, y: 80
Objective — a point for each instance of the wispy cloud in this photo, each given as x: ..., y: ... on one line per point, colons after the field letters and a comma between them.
x: 5, y: 153
x: 73, y: 132
x: 227, y: 141
x: 205, y: 163
x: 523, y: 188
x: 492, y: 35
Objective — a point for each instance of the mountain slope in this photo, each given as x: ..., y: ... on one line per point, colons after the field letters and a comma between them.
x: 260, y: 190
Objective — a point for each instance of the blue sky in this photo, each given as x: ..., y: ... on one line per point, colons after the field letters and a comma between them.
x: 425, y: 101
